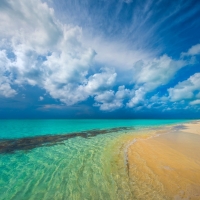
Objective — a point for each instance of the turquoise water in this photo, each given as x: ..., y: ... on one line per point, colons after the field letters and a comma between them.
x: 27, y: 128
x: 77, y: 168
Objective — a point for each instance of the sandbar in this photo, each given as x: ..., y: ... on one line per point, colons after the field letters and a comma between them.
x: 167, y: 166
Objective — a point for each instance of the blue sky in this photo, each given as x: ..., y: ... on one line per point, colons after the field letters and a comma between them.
x: 99, y: 59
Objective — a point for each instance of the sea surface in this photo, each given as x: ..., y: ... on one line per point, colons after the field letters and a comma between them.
x: 68, y: 159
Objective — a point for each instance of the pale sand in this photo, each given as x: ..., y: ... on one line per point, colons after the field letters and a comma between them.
x: 167, y: 166
x: 193, y: 127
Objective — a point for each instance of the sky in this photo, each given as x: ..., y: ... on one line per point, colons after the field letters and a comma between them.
x: 99, y: 59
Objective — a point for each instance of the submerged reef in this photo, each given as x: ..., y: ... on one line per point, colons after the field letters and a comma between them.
x: 28, y: 143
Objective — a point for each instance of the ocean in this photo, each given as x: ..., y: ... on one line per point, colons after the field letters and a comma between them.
x: 68, y: 159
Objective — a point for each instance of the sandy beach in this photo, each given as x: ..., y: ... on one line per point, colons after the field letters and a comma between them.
x: 167, y: 166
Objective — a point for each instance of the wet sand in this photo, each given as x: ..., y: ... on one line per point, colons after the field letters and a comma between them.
x: 167, y: 166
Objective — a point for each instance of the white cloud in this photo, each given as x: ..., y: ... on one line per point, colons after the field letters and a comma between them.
x: 147, y: 76
x: 51, y: 106
x: 116, y: 54
x: 195, y: 102
x: 6, y: 77
x: 6, y: 90
x: 157, y: 72
x: 73, y: 92
x: 51, y: 55
x: 106, y: 96
x: 39, y: 50
x: 101, y: 81
x: 109, y: 100
x: 47, y: 53
x: 185, y: 89
x: 41, y: 98
x: 194, y: 50
x: 138, y: 98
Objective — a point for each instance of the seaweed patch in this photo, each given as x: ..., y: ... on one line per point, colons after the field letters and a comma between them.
x: 28, y: 143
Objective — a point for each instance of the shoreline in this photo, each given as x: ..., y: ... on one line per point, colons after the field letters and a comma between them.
x: 166, y: 165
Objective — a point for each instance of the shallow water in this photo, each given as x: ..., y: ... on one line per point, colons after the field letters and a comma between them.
x: 77, y: 168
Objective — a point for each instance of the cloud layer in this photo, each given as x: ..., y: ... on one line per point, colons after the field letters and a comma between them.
x: 39, y: 50
x: 186, y: 90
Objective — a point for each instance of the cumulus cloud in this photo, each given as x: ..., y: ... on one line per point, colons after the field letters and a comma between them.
x: 77, y: 91
x: 147, y: 76
x: 6, y: 77
x: 101, y: 81
x: 6, y: 90
x: 185, y: 89
x: 110, y: 100
x: 138, y: 97
x: 46, y: 53
x: 50, y: 55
